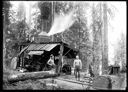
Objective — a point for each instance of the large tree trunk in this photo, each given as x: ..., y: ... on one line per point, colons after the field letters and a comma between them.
x: 30, y: 75
x: 4, y: 44
x: 105, y: 39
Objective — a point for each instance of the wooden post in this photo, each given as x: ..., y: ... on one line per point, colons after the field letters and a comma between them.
x: 20, y: 57
x: 60, y: 59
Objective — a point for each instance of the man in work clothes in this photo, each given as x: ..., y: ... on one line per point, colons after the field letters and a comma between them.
x: 77, y: 66
x: 91, y: 70
x: 51, y: 62
x: 14, y: 63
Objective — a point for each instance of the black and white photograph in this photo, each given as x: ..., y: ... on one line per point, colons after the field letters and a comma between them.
x: 64, y: 45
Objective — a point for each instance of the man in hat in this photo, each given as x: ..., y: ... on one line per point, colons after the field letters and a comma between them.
x: 77, y: 66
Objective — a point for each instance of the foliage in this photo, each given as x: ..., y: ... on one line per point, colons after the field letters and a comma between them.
x: 14, y: 32
x: 6, y: 6
x: 100, y: 14
x: 79, y: 35
x: 120, y: 52
x: 97, y: 36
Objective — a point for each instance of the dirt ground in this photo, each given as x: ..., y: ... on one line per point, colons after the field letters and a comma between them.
x: 119, y: 82
x: 49, y: 84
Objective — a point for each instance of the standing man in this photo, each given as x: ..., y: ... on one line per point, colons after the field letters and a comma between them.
x: 14, y: 63
x: 51, y: 62
x: 91, y: 70
x: 77, y: 66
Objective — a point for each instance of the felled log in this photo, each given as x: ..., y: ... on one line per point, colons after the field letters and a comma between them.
x: 30, y: 75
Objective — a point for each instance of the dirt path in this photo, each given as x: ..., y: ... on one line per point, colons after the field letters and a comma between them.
x: 69, y: 82
x: 69, y: 85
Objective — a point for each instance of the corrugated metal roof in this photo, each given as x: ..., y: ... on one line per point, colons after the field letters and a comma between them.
x: 36, y: 52
x: 51, y: 46
x: 38, y: 47
x: 31, y: 46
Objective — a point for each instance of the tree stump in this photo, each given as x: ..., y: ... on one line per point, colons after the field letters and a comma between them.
x: 102, y: 82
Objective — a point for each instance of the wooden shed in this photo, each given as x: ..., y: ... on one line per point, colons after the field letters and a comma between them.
x: 40, y: 53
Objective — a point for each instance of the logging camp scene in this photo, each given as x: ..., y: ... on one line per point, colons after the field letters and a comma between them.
x: 64, y: 45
